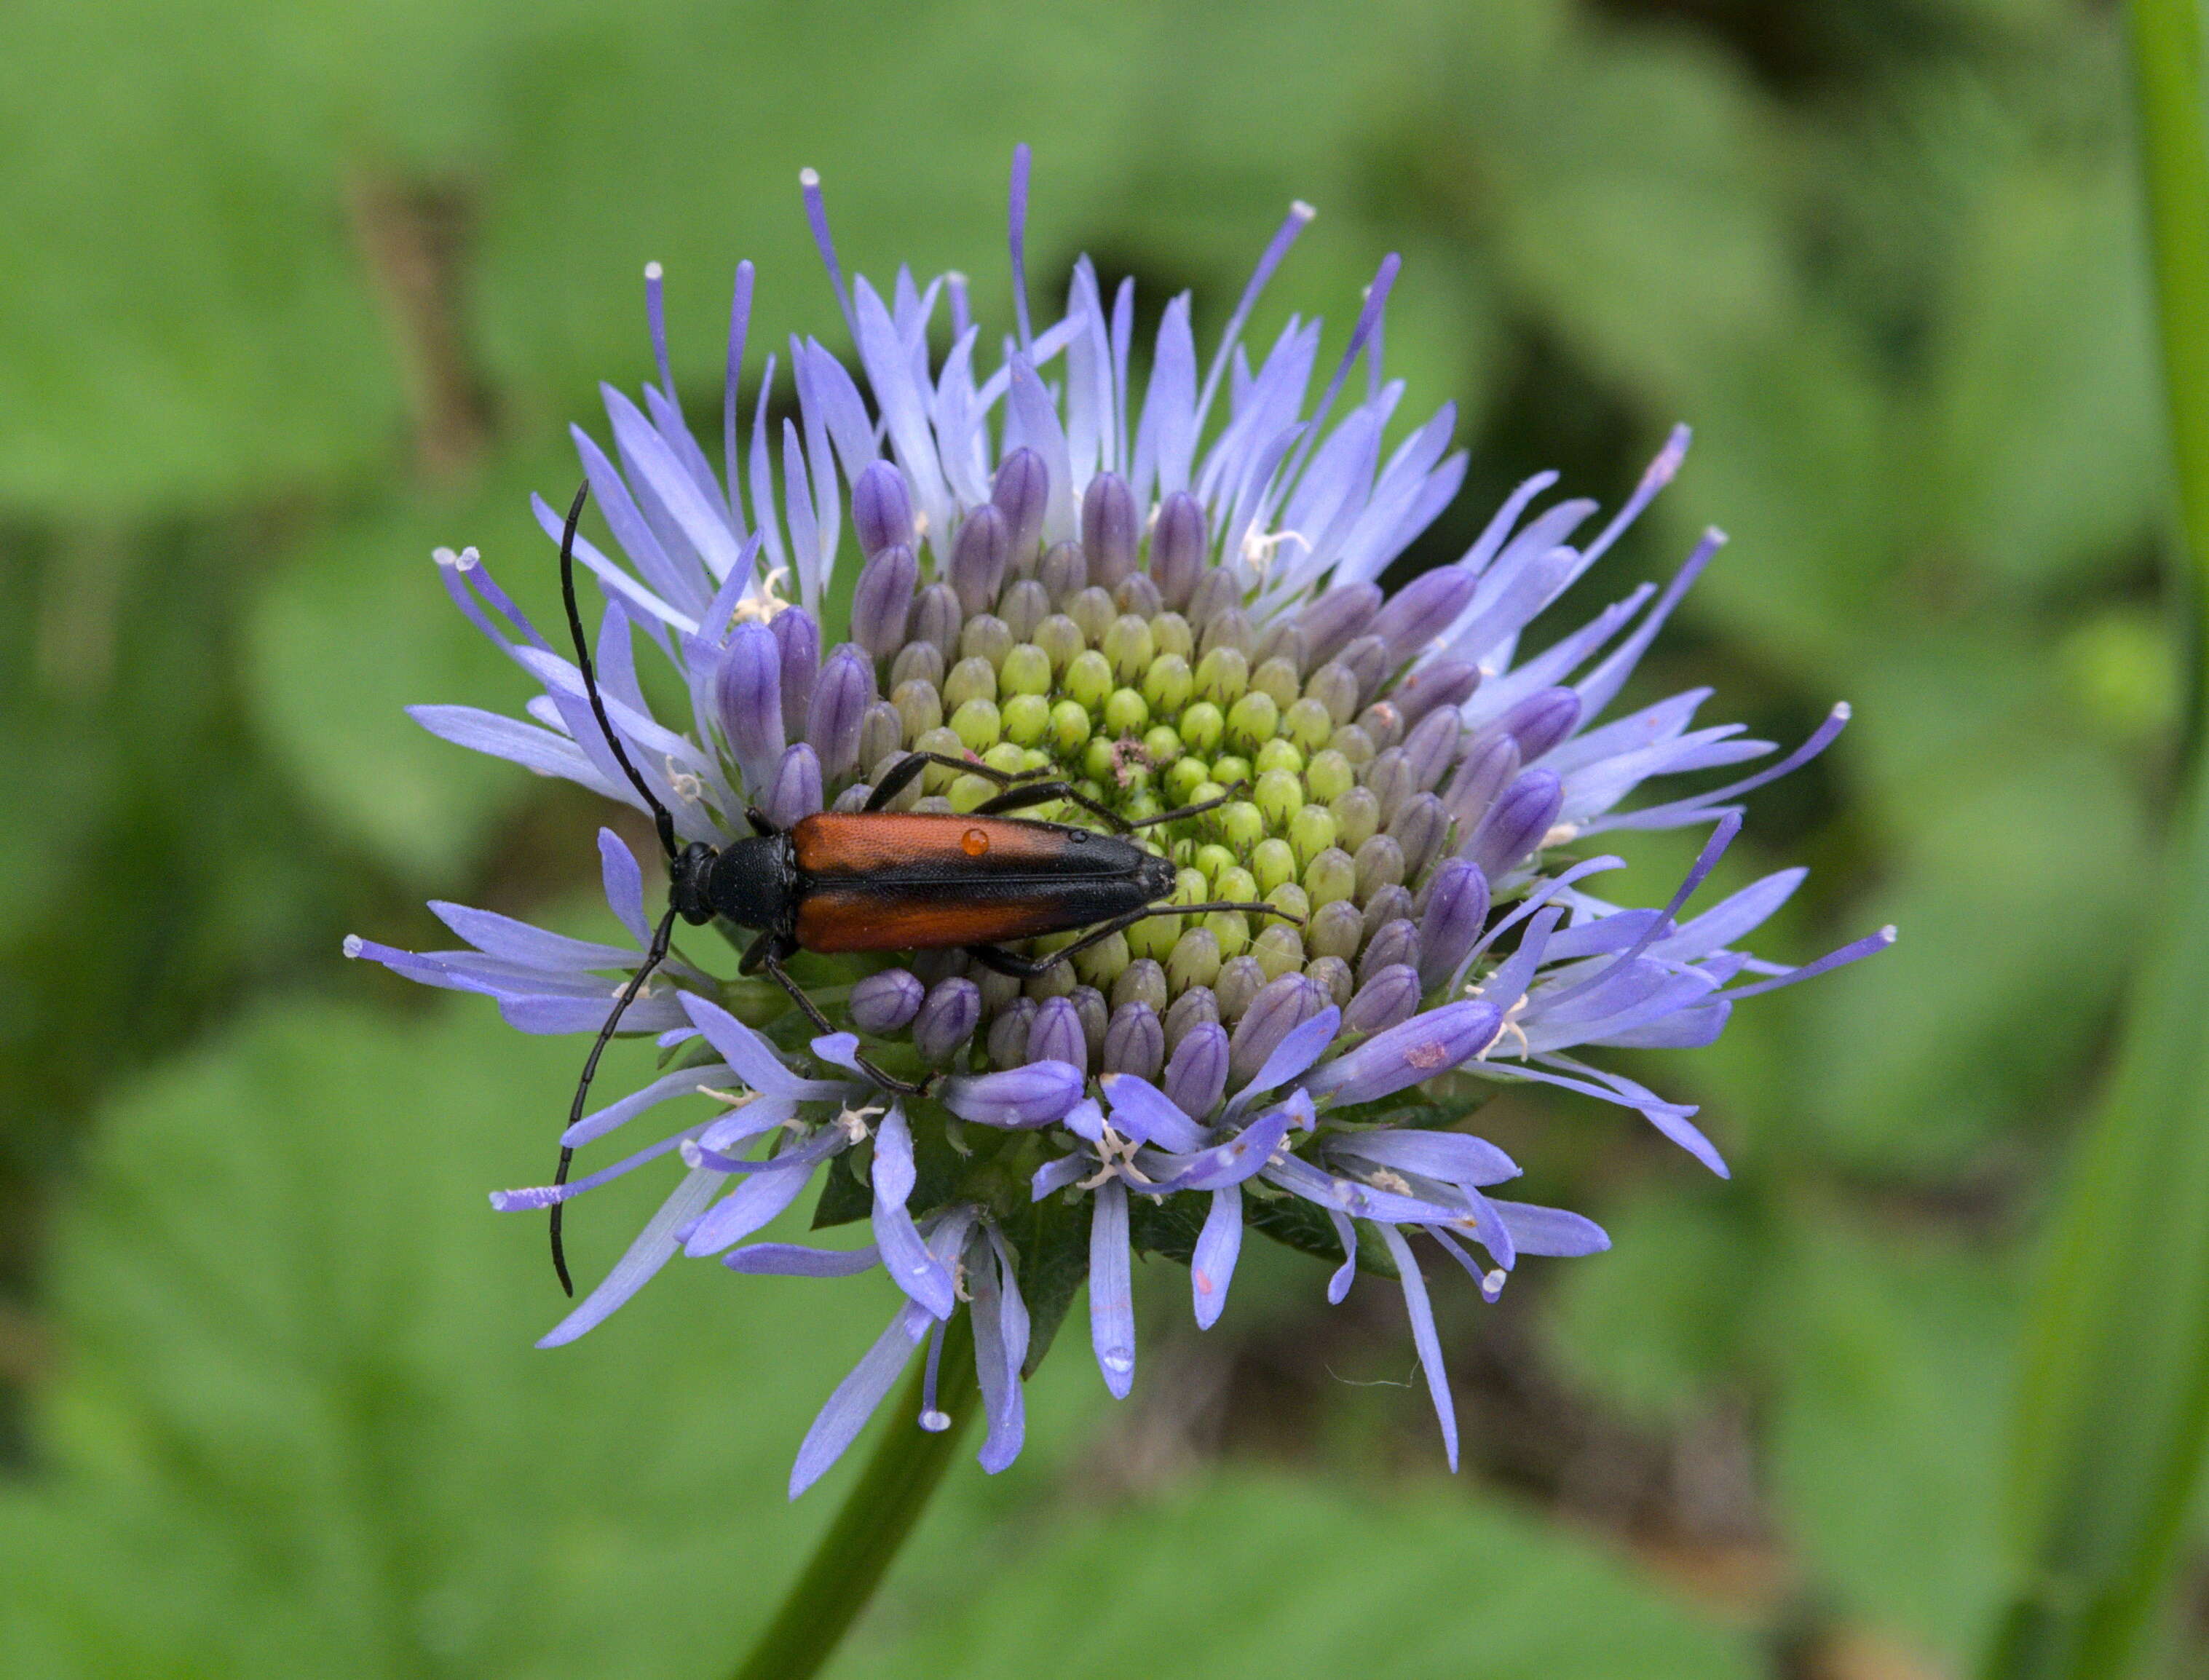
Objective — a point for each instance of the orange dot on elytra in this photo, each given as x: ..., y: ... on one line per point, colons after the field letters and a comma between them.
x: 973, y: 842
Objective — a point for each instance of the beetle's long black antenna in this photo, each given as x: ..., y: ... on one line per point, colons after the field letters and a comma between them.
x: 661, y: 819
x: 653, y: 958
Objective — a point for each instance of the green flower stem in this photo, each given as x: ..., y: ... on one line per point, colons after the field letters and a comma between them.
x: 881, y: 1511
x: 2113, y: 1400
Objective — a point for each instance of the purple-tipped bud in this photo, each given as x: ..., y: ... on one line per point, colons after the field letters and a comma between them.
x: 882, y: 605
x: 883, y: 1002
x: 1481, y: 775
x: 841, y: 694
x: 1196, y: 1076
x: 1280, y: 1007
x: 1178, y: 542
x: 1398, y: 942
x: 1241, y: 978
x: 799, y: 638
x: 1135, y: 1042
x: 936, y: 618
x: 1006, y: 1042
x: 1055, y: 1034
x: 1540, y: 721
x: 1110, y: 529
x: 1420, y: 828
x: 1389, y: 779
x: 1432, y: 749
x: 1193, y: 1008
x: 881, y: 732
x: 1021, y: 491
x: 1403, y: 1055
x: 1388, y: 997
x: 1422, y: 609
x: 1330, y: 622
x: 882, y: 509
x: 1063, y: 572
x: 1515, y: 823
x: 1090, y: 1008
x: 1367, y: 659
x: 947, y: 1017
x: 1017, y: 1098
x: 1447, y: 682
x: 1457, y: 910
x: 1393, y: 903
x: 749, y: 690
x: 796, y: 791
x: 978, y: 553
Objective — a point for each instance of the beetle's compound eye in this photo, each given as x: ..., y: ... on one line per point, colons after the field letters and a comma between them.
x: 974, y: 842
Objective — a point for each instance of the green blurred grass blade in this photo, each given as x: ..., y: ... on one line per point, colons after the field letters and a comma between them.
x: 2115, y: 1392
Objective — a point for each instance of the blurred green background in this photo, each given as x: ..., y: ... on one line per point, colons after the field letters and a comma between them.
x: 290, y: 294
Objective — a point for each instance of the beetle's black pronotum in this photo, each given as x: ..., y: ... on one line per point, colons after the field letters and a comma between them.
x: 876, y: 879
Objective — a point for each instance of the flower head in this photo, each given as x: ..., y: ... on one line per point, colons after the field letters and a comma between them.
x: 1167, y: 593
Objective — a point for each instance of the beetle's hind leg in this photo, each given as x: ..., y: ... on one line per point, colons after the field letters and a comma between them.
x: 1028, y: 968
x: 903, y: 772
x: 767, y: 953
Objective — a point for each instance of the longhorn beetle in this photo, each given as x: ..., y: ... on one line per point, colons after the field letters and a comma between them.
x: 877, y: 879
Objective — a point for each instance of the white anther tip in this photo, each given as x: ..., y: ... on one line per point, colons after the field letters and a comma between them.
x: 809, y: 178
x: 352, y: 945
x: 1302, y: 211
x: 652, y: 272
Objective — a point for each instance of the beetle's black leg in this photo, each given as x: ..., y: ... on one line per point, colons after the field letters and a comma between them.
x: 1230, y: 796
x: 903, y: 772
x: 759, y: 820
x: 765, y: 954
x: 1028, y: 968
x: 1042, y: 793
x: 653, y: 959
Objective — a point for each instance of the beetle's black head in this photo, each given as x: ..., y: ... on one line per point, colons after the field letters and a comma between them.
x: 687, y: 873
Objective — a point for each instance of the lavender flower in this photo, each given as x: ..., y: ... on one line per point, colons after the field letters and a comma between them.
x: 1168, y: 594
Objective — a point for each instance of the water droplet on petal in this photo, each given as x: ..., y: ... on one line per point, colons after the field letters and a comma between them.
x: 1117, y: 1360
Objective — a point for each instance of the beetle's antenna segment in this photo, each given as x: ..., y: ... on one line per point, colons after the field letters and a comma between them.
x: 661, y: 937
x: 661, y: 820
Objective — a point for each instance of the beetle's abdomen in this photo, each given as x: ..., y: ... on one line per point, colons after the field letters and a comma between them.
x: 899, y: 881
x: 925, y: 848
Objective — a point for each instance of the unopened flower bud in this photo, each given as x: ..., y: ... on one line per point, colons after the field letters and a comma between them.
x: 1216, y: 591
x: 795, y: 791
x: 1055, y: 1034
x: 1390, y: 780
x: 1192, y: 1009
x: 1429, y: 603
x: 1018, y: 1097
x: 882, y: 602
x: 1332, y: 975
x: 947, y: 1019
x: 1432, y: 749
x: 1385, y: 904
x: 1006, y: 1042
x: 979, y: 556
x: 1387, y: 998
x: 1240, y: 980
x: 1456, y: 912
x: 1135, y: 1041
x: 1178, y: 545
x: 1137, y: 594
x: 882, y: 734
x: 1383, y: 724
x: 1196, y: 1072
x: 1111, y: 526
x: 1484, y: 773
x: 749, y: 690
x: 1021, y: 492
x: 1331, y: 620
x: 1380, y: 863
x: 936, y: 616
x: 1368, y: 660
x: 799, y: 638
x: 841, y: 694
x: 1357, y: 816
x: 887, y: 1000
x: 1396, y: 941
x: 882, y: 509
x: 1024, y: 606
x: 1515, y: 823
x: 1540, y: 721
x: 1420, y: 829
x: 1447, y: 682
x: 1279, y: 1007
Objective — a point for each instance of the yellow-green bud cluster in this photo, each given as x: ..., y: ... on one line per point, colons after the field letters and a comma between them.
x: 1147, y: 709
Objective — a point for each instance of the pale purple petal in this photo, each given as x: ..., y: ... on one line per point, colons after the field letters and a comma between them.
x: 1111, y: 1290
x: 1211, y: 1268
